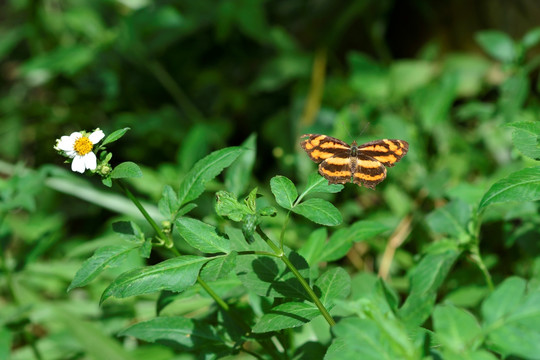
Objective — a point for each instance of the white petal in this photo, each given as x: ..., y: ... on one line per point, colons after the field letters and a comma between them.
x: 78, y: 164
x: 65, y: 143
x: 96, y: 136
x: 75, y: 135
x: 90, y: 161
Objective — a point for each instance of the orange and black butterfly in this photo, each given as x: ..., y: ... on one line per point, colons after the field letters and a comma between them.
x: 364, y: 164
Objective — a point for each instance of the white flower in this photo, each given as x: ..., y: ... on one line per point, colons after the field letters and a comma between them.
x: 78, y: 146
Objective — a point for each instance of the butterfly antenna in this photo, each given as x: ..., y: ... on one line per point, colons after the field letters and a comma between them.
x: 365, y: 128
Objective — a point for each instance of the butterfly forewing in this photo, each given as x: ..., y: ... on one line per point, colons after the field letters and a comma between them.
x: 387, y: 151
x: 321, y: 147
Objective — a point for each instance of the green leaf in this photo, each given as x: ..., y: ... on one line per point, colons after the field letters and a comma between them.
x: 318, y: 184
x: 126, y: 169
x: 219, y: 267
x: 5, y: 342
x: 228, y: 206
x: 201, y: 236
x: 526, y: 138
x: 452, y: 219
x: 512, y: 319
x: 426, y: 277
x: 105, y: 257
x: 531, y: 38
x: 238, y: 174
x: 175, y: 274
x: 269, y: 277
x: 409, y: 75
x: 190, y: 333
x: 497, y: 44
x: 367, y: 340
x: 456, y: 328
x: 168, y: 204
x: 319, y: 211
x: 341, y: 241
x: 284, y: 191
x: 514, y: 91
x: 115, y: 136
x: 333, y: 284
x: 192, y: 186
x: 91, y: 339
x: 314, y: 246
x: 289, y: 315
x: 195, y: 146
x: 523, y: 185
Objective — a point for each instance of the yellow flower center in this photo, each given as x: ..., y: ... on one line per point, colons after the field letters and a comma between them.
x: 83, y: 145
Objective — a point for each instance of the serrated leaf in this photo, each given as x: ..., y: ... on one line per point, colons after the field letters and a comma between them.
x: 201, y: 236
x: 268, y: 276
x: 526, y: 138
x: 219, y: 267
x: 105, y: 257
x: 456, y: 328
x: 333, y: 284
x: 319, y: 211
x: 190, y: 333
x: 426, y: 278
x: 497, y: 44
x: 284, y: 191
x: 115, y: 135
x: 285, y: 316
x: 192, y: 186
x: 238, y: 174
x: 126, y: 169
x: 175, y: 274
x: 523, y: 185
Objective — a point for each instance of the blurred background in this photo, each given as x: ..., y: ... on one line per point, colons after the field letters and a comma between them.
x: 190, y: 77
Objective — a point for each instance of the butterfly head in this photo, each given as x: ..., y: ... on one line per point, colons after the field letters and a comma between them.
x: 354, y: 148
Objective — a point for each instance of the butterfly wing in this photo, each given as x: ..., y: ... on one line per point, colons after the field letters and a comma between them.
x: 339, y: 168
x: 368, y: 172
x: 322, y: 147
x: 387, y: 151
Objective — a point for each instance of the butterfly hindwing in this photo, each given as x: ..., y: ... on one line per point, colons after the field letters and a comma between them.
x: 339, y: 168
x: 387, y: 151
x: 369, y: 172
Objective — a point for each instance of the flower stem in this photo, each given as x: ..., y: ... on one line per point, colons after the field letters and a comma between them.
x: 299, y: 276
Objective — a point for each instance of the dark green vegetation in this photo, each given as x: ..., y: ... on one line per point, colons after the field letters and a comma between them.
x: 245, y: 250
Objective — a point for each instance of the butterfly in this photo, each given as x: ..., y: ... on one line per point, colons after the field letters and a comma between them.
x: 364, y: 164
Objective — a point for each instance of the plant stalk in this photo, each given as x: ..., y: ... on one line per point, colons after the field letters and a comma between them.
x: 300, y: 278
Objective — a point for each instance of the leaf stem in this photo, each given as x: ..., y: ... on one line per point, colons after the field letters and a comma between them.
x: 299, y: 276
x: 477, y: 258
x: 147, y: 216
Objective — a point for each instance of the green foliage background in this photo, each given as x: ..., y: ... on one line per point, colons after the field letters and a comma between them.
x: 192, y: 77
